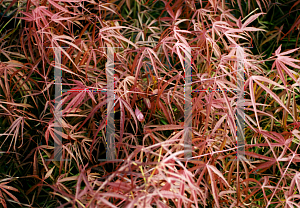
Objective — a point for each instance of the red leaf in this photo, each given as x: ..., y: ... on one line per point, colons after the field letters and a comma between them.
x: 213, y: 185
x: 264, y: 165
x: 259, y: 156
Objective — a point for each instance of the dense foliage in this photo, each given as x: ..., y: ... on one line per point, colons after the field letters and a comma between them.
x: 150, y: 40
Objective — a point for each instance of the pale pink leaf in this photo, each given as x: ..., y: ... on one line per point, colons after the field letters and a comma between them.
x: 147, y: 102
x: 278, y: 50
x: 252, y: 96
x: 139, y: 115
x: 251, y: 19
x: 287, y: 52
